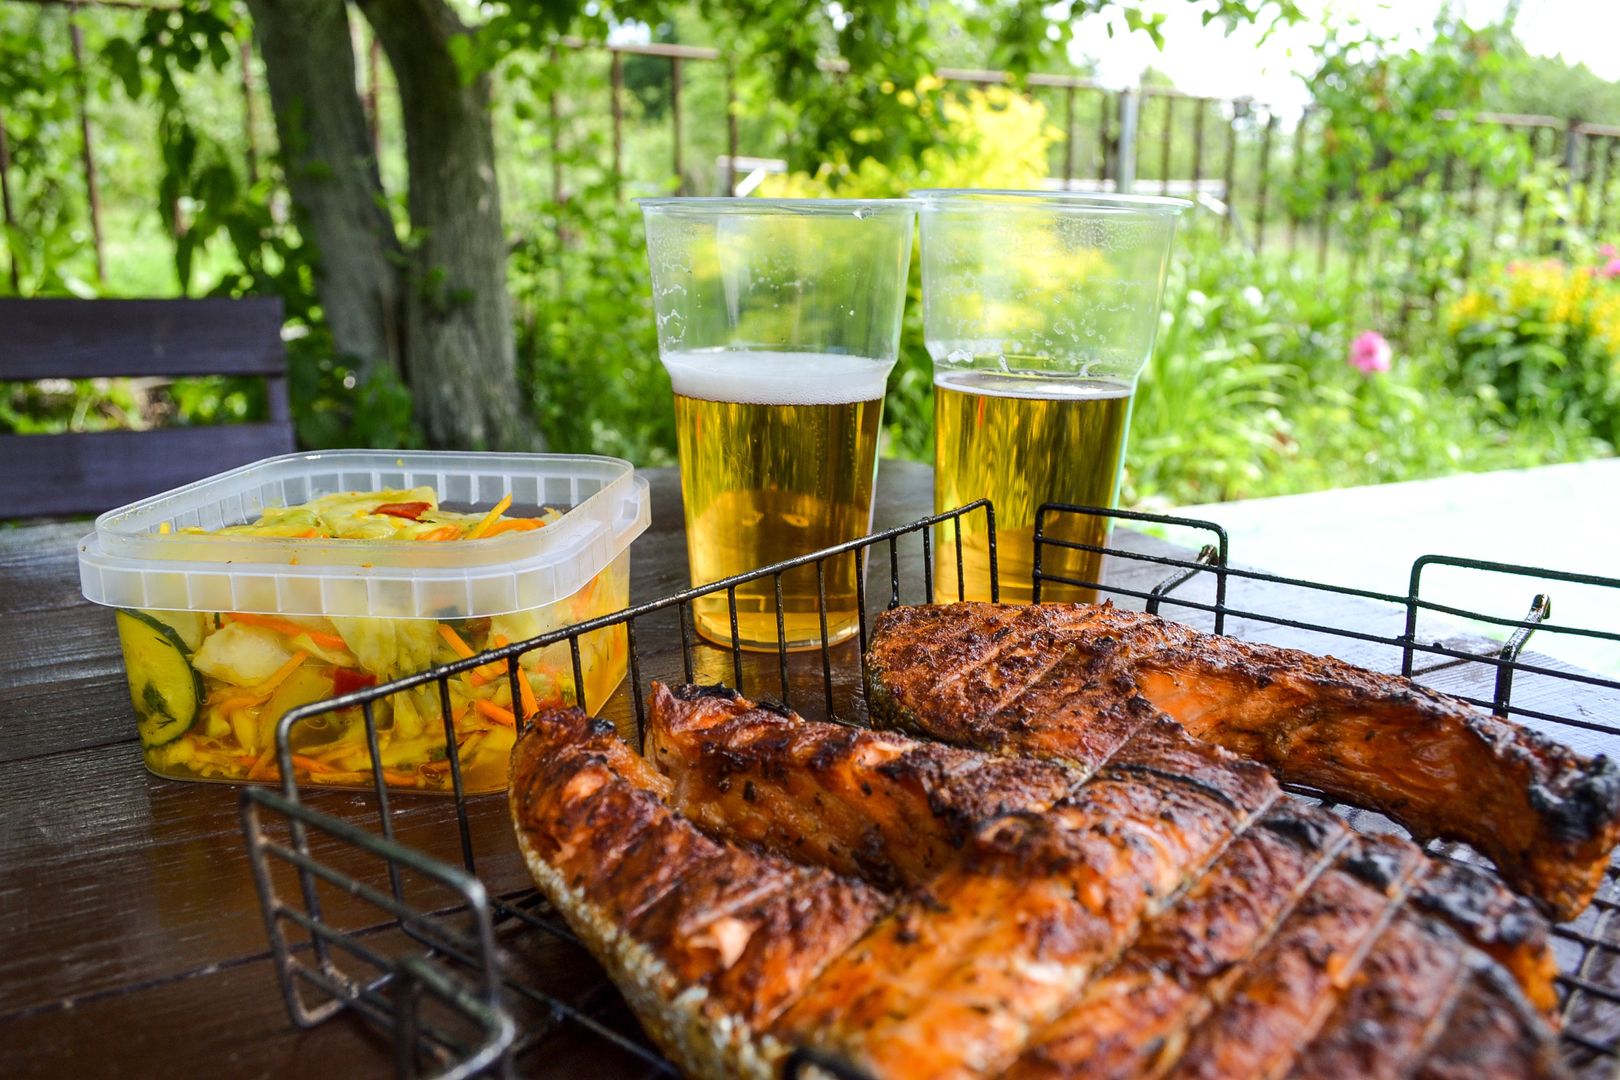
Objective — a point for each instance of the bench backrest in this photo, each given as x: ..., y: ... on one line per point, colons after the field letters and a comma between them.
x: 86, y: 339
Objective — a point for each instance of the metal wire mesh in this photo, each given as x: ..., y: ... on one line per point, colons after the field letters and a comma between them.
x: 439, y: 937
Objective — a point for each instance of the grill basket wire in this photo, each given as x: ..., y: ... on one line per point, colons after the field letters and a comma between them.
x: 429, y: 955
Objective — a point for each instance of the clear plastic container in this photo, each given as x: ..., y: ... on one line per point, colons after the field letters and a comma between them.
x: 306, y: 619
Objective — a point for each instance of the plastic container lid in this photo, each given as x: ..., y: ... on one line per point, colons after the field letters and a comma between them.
x: 129, y: 562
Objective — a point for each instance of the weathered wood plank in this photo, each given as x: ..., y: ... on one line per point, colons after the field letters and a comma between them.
x: 86, y: 339
x: 39, y: 568
x: 94, y: 471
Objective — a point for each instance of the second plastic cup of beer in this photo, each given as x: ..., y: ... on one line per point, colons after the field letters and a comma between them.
x: 778, y: 322
x: 1039, y: 312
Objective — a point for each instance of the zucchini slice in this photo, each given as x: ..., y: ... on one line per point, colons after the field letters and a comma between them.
x: 162, y: 685
x: 189, y: 626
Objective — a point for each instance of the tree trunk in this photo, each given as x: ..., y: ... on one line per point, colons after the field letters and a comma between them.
x: 461, y: 361
x: 326, y: 153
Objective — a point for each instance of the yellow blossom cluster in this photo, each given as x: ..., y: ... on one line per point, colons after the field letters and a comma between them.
x: 1582, y: 301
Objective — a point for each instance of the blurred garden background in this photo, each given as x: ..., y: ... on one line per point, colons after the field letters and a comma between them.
x: 1406, y: 269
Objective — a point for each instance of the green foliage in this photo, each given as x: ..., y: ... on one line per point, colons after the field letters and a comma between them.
x: 1541, y: 340
x: 336, y: 407
x: 37, y: 95
x: 1249, y: 392
x: 1548, y: 86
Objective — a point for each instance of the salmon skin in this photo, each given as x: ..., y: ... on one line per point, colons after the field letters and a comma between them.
x: 943, y: 986
x: 1073, y: 681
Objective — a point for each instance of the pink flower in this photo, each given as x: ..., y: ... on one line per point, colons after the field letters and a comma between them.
x: 1370, y: 353
x: 1607, y: 251
x: 1611, y: 268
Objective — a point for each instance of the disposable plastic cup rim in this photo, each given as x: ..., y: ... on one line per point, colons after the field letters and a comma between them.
x: 710, y: 205
x: 1100, y: 202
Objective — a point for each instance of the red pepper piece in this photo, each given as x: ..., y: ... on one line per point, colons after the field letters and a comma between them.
x: 411, y: 511
x: 347, y: 681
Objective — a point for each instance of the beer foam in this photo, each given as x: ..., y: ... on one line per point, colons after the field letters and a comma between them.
x: 776, y: 378
x: 1039, y: 387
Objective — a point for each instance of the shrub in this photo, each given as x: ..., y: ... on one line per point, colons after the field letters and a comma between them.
x: 1541, y: 341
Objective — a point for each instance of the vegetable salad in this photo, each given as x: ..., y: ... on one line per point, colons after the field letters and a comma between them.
x: 209, y: 688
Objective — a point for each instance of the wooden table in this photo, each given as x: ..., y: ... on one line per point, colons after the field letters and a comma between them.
x: 131, y: 941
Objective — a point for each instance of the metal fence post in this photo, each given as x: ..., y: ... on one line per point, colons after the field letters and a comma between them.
x: 1068, y: 136
x: 1105, y: 146
x: 1240, y: 108
x: 1130, y: 104
x: 731, y: 131
x: 1164, y: 145
x: 554, y: 132
x: 92, y: 185
x: 5, y: 206
x: 1198, y: 145
x: 1572, y: 161
x: 1298, y: 179
x: 675, y: 122
x: 616, y: 107
x: 250, y: 113
x: 1265, y: 180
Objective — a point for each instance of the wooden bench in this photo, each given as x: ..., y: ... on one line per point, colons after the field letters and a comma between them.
x: 83, y: 339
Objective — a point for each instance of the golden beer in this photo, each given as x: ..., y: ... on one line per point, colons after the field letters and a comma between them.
x: 1022, y: 441
x: 774, y: 468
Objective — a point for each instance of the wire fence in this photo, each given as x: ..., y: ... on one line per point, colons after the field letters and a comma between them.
x: 1239, y: 157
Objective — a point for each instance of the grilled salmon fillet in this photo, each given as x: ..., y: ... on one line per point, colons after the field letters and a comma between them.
x: 1029, y: 882
x: 708, y: 941
x: 907, y: 994
x: 876, y: 805
x: 1133, y: 1020
x: 1073, y: 681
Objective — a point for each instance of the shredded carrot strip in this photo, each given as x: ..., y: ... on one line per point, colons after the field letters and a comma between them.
x: 290, y: 628
x: 309, y: 534
x: 493, y: 670
x: 311, y: 764
x: 496, y: 713
x: 257, y: 772
x: 279, y: 676
x: 531, y: 707
x: 508, y: 525
x: 489, y: 519
x: 443, y: 532
x: 453, y: 639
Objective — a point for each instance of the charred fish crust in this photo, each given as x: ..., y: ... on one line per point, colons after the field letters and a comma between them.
x: 1308, y: 832
x: 1278, y: 1002
x: 600, y: 727
x: 1507, y: 928
x: 699, y: 691
x: 1588, y: 806
x: 772, y: 707
x: 1394, y: 1008
x: 1463, y: 895
x: 1380, y: 869
x: 1170, y: 777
